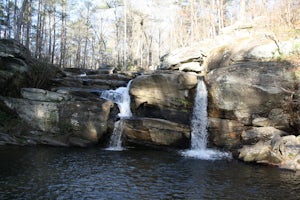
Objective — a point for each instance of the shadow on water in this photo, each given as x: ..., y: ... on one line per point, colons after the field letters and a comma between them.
x: 61, y: 173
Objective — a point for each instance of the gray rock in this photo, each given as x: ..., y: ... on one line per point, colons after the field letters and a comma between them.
x: 182, y: 55
x: 106, y: 70
x: 166, y: 96
x: 283, y: 152
x: 191, y: 67
x: 248, y: 90
x: 43, y: 116
x: 255, y: 134
x: 86, y: 120
x: 255, y: 153
x: 36, y: 94
x: 7, y: 139
x: 156, y: 133
x: 225, y: 133
x: 12, y: 48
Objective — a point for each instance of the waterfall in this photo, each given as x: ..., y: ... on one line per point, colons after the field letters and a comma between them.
x: 199, y: 118
x: 121, y: 97
x: 199, y: 132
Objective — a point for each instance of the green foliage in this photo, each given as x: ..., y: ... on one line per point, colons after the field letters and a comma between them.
x: 183, y: 102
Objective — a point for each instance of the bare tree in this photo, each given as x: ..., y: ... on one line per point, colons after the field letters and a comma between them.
x: 20, y: 18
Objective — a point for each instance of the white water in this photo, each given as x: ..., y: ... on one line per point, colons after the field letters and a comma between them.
x: 199, y: 129
x: 121, y: 97
x: 115, y: 142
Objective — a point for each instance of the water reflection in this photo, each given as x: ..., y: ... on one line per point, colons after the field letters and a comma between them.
x: 61, y: 173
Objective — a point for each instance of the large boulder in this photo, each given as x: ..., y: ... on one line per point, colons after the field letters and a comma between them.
x: 184, y: 59
x: 60, y: 119
x: 155, y: 133
x: 250, y: 89
x: 253, y: 94
x: 167, y: 96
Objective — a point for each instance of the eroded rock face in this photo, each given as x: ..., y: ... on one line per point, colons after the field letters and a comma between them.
x: 155, y: 133
x: 166, y: 96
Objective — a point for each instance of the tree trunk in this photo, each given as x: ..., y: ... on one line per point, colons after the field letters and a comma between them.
x: 20, y: 18
x: 63, y: 34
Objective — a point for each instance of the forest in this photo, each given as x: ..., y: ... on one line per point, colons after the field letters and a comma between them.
x: 132, y: 34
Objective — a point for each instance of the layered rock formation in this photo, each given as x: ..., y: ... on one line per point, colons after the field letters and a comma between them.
x: 253, y: 108
x: 254, y: 98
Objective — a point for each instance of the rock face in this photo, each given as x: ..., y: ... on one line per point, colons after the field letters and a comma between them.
x: 161, y: 104
x: 253, y: 108
x: 18, y: 69
x: 253, y: 98
x: 166, y: 96
x: 155, y: 133
x: 60, y: 119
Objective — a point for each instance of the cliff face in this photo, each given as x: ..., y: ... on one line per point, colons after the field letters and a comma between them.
x: 254, y: 103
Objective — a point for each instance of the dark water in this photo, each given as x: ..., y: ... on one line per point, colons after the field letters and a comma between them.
x: 62, y: 173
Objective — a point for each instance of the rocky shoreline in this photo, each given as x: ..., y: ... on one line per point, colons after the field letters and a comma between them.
x: 253, y: 106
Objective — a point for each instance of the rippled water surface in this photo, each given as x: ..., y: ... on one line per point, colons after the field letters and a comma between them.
x: 62, y: 173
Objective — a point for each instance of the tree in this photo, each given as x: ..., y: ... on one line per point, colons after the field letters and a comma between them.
x: 20, y: 18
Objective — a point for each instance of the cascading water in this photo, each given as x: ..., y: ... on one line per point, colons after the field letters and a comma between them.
x: 121, y: 97
x: 199, y: 128
x: 199, y: 118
